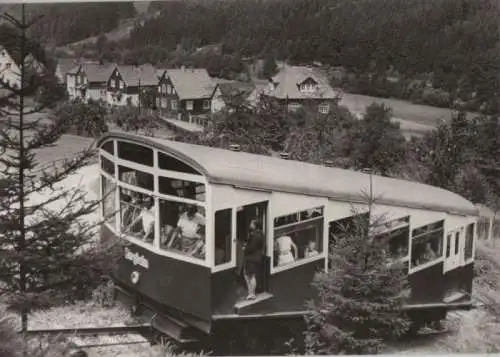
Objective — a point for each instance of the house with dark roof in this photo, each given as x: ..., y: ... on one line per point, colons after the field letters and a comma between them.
x: 188, y: 94
x: 88, y: 81
x: 297, y: 86
x: 126, y: 82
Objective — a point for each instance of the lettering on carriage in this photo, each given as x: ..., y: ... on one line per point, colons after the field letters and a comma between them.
x: 136, y: 259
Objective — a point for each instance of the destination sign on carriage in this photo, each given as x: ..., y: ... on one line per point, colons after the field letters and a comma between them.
x: 136, y: 259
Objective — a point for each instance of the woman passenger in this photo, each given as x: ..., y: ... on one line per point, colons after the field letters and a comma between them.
x: 189, y: 226
x: 283, y: 245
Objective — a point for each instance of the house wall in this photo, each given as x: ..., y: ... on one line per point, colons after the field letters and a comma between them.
x: 164, y: 100
x: 71, y: 85
x: 10, y: 76
x: 96, y: 93
x: 217, y: 101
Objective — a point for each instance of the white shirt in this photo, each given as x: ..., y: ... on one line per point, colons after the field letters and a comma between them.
x: 148, y: 218
x: 190, y: 227
x: 284, y: 244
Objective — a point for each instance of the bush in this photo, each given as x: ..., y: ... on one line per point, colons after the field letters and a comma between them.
x: 103, y: 295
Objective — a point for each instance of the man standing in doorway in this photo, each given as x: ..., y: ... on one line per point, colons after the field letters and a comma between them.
x: 253, y: 255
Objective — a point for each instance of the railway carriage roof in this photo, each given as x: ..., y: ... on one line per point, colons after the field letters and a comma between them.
x: 275, y: 174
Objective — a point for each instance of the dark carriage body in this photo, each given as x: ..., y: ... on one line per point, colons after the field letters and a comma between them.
x: 185, y: 291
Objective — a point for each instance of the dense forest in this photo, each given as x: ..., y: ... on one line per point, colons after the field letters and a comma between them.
x: 451, y: 45
x: 63, y: 23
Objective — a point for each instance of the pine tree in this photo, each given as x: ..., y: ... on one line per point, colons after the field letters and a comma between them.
x: 359, y: 303
x: 47, y: 245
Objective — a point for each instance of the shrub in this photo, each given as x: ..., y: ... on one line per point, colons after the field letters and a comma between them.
x: 359, y: 300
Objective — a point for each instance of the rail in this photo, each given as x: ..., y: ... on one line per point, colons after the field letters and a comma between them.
x: 90, y: 330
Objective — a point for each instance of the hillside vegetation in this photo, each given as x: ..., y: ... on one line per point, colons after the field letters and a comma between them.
x: 452, y: 44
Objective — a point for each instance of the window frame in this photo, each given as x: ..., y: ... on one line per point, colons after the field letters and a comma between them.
x: 157, y: 172
x: 404, y: 225
x: 232, y: 262
x: 441, y: 259
x: 189, y: 105
x: 321, y: 256
x: 473, y: 245
x: 324, y: 108
x: 206, y: 104
x: 173, y: 104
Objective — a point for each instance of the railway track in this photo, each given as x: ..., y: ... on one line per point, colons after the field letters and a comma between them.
x: 93, y: 337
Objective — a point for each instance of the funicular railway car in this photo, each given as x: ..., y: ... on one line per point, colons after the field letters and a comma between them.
x: 187, y: 283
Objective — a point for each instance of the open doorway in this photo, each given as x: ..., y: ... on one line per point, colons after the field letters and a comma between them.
x: 244, y: 215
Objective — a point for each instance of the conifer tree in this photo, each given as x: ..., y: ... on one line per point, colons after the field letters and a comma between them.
x: 360, y: 298
x: 47, y: 249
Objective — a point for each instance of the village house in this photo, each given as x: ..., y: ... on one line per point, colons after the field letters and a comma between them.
x: 295, y: 87
x: 88, y: 81
x: 126, y: 82
x: 10, y: 73
x: 190, y: 95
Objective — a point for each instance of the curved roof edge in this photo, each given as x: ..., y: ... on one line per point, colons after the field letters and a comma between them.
x: 167, y: 146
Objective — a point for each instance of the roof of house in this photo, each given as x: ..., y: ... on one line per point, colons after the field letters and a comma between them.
x: 98, y: 73
x: 270, y: 173
x: 66, y: 64
x: 145, y: 75
x: 231, y: 88
x: 289, y: 78
x: 192, y: 83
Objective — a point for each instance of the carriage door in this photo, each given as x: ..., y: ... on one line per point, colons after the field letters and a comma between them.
x: 244, y: 215
x: 453, y: 253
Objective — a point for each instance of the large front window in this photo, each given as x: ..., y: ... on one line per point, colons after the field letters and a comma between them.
x: 159, y: 201
x: 427, y: 244
x: 298, y: 236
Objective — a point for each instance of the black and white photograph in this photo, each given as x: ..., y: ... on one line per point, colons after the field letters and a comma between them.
x: 194, y: 178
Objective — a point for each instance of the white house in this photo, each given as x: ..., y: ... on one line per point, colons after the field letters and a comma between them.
x: 10, y: 73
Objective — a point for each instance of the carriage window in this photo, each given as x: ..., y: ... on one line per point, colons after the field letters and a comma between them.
x: 448, y: 245
x: 182, y: 188
x: 343, y: 228
x: 182, y: 228
x: 109, y: 147
x: 138, y: 215
x: 394, y: 235
x: 166, y: 162
x: 107, y: 166
x: 427, y: 243
x: 457, y: 242
x: 108, y: 200
x: 135, y: 153
x: 303, y: 238
x: 223, y: 236
x: 136, y: 178
x: 469, y: 241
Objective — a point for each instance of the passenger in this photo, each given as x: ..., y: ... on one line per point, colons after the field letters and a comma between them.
x: 283, y: 245
x: 190, y: 224
x: 429, y: 253
x: 311, y: 250
x: 147, y: 217
x: 253, y: 254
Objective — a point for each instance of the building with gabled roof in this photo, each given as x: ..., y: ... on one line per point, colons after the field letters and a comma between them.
x: 125, y: 83
x: 188, y: 94
x: 296, y: 86
x: 88, y: 80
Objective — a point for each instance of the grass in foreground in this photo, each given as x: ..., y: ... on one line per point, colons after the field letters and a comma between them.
x: 478, y: 331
